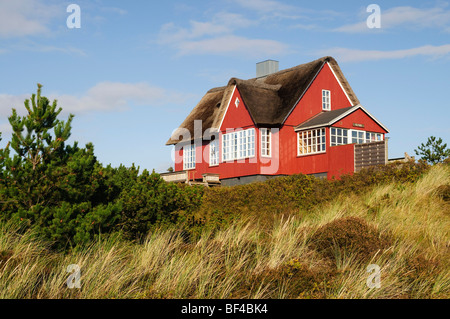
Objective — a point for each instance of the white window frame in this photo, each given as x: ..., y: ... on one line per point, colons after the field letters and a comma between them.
x: 326, y: 100
x: 214, y: 152
x: 266, y: 142
x: 242, y: 140
x: 315, y: 142
x: 189, y: 157
x: 373, y: 137
x: 238, y: 145
x: 367, y: 137
x: 340, y: 136
x: 358, y: 137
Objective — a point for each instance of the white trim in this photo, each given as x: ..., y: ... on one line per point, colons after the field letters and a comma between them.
x: 340, y: 84
x: 226, y: 110
x: 304, y: 92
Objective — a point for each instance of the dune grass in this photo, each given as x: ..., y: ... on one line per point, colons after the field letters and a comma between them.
x: 320, y: 253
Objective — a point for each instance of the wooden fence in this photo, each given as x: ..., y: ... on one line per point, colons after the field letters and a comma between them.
x: 370, y: 154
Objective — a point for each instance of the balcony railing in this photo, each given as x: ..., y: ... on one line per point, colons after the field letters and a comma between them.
x: 175, y: 177
x: 185, y: 177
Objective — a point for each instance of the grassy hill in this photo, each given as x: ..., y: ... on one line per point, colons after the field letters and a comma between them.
x: 287, y: 238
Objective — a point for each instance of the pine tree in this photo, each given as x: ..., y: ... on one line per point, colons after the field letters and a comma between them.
x: 434, y: 151
x: 55, y: 188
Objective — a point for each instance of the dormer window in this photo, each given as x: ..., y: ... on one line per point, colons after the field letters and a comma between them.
x: 326, y: 100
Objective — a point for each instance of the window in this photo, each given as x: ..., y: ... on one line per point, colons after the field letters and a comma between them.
x: 250, y: 142
x: 266, y: 142
x: 242, y: 144
x: 189, y: 156
x: 214, y: 153
x: 358, y: 137
x: 226, y: 147
x: 339, y: 136
x: 373, y: 137
x: 238, y: 145
x: 311, y: 142
x: 326, y: 100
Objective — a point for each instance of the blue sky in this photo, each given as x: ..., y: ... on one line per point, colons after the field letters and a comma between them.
x: 135, y: 69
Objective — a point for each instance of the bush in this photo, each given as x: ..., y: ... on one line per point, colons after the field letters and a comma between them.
x: 264, y: 201
x: 350, y: 234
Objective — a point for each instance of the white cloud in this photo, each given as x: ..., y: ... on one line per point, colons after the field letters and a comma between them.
x: 266, y: 6
x: 354, y: 55
x: 231, y: 44
x: 116, y: 10
x: 409, y: 17
x: 6, y: 130
x: 221, y: 23
x: 105, y: 96
x: 25, y: 17
x: 217, y: 37
x: 112, y: 96
x: 8, y: 102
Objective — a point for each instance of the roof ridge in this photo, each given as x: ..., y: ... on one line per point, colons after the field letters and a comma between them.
x: 254, y: 83
x: 217, y: 89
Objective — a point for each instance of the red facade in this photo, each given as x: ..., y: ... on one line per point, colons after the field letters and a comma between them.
x: 327, y: 160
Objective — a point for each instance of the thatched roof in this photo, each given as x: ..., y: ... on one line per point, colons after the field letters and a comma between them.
x: 269, y: 99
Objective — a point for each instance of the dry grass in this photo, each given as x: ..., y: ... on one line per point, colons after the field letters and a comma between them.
x: 246, y: 260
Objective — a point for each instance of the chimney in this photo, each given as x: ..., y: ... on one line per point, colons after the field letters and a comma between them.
x: 266, y: 67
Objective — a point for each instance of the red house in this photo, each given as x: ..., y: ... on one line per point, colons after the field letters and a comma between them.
x: 305, y: 119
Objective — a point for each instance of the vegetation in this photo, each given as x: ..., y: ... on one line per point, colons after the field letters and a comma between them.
x: 317, y: 253
x: 66, y: 195
x: 135, y: 236
x: 434, y: 151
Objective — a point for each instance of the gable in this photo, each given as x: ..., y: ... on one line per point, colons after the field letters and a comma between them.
x: 310, y: 103
x: 236, y: 114
x: 355, y: 117
x: 361, y: 117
